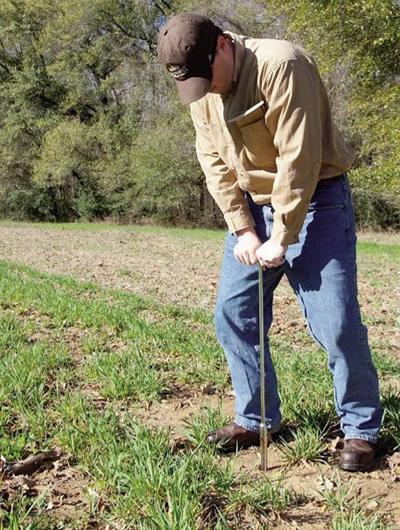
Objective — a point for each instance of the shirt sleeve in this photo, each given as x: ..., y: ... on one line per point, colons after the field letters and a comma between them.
x: 293, y: 119
x: 221, y: 180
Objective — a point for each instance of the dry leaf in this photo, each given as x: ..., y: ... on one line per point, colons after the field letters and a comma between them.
x: 328, y: 484
x: 32, y: 463
x: 324, y: 484
x: 371, y: 507
x: 333, y: 446
x: 3, y: 465
x: 209, y: 390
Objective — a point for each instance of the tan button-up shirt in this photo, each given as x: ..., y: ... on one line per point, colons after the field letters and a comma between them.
x: 272, y: 135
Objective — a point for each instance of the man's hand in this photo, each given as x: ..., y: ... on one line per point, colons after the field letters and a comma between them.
x: 271, y: 254
x: 248, y: 243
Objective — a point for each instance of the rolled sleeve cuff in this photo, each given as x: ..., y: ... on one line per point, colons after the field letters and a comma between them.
x: 238, y: 220
x: 284, y: 236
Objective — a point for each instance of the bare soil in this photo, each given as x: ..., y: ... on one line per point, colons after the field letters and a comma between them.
x: 183, y: 271
x: 67, y: 489
x: 378, y: 490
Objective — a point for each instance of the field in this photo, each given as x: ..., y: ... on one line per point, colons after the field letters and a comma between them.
x: 111, y: 374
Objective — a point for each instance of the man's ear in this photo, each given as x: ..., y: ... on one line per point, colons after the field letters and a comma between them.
x: 221, y: 42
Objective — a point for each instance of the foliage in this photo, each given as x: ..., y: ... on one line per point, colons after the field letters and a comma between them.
x: 90, y: 125
x: 357, y: 47
x: 170, y: 182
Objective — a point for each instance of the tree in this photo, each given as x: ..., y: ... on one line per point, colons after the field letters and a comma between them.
x: 90, y: 124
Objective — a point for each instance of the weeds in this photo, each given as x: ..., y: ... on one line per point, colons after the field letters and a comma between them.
x: 200, y: 424
x: 23, y: 514
x: 307, y: 445
x: 390, y: 435
x: 61, y: 339
x: 127, y: 373
x: 347, y: 512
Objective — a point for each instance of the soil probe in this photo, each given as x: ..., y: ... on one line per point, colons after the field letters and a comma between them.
x: 263, y: 425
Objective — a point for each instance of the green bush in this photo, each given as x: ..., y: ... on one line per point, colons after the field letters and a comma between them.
x: 91, y: 125
x: 376, y: 210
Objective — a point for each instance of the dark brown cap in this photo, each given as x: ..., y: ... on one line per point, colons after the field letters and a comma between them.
x: 186, y: 46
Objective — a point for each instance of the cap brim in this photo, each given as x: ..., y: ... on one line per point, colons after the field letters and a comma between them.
x: 192, y: 89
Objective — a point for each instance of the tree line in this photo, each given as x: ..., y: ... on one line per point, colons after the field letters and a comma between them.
x: 91, y: 127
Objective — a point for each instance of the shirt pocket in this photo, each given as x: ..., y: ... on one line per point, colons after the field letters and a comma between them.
x: 257, y: 140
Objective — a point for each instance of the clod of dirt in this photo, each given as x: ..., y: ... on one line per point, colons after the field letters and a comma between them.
x: 31, y: 464
x: 394, y: 466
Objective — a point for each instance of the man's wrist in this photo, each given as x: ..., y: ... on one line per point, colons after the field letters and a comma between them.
x: 244, y: 231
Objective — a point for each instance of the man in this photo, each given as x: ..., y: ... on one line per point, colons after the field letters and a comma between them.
x: 276, y: 164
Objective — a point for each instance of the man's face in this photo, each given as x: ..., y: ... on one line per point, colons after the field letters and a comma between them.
x: 223, y: 66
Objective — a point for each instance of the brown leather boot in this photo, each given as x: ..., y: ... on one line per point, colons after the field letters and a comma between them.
x: 233, y: 437
x: 357, y: 455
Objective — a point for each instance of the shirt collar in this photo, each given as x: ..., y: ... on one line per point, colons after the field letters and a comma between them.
x: 240, y: 53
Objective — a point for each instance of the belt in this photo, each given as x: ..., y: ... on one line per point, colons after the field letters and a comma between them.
x: 331, y: 180
x: 337, y: 178
x: 320, y: 182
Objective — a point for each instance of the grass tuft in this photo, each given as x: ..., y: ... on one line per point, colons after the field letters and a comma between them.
x: 208, y: 419
x: 348, y: 513
x: 308, y: 445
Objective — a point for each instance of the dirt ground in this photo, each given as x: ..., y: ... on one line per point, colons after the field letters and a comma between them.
x: 377, y: 490
x: 184, y: 271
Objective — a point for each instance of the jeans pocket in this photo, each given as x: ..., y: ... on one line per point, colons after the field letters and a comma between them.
x: 315, y: 207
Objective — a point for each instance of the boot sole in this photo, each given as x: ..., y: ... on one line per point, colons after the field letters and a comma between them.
x: 356, y: 467
x: 234, y: 448
x: 231, y: 448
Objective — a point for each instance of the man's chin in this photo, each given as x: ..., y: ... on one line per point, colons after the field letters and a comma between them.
x: 219, y: 89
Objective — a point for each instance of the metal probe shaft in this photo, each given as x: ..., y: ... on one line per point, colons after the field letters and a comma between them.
x: 263, y: 425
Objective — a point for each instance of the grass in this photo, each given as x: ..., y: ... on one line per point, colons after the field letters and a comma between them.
x: 379, y: 249
x: 199, y: 425
x: 99, y: 227
x: 348, y: 513
x: 366, y: 247
x: 308, y: 445
x: 62, y: 342
x: 18, y: 516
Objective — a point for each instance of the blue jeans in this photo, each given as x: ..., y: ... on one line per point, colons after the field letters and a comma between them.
x: 321, y: 269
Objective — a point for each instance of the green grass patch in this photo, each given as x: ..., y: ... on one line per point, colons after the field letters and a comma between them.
x: 348, y: 513
x: 160, y: 338
x: 62, y: 342
x: 379, y: 249
x: 308, y: 445
x: 391, y: 250
x: 208, y: 419
x: 197, y: 233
